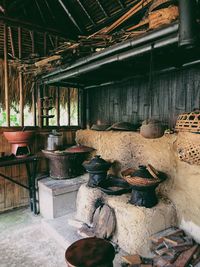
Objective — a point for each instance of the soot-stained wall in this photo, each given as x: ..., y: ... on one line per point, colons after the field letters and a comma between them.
x: 135, y: 100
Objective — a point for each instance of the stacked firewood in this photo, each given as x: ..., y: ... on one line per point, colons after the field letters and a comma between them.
x: 171, y: 248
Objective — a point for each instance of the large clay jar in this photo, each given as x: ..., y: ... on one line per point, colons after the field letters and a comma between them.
x: 151, y: 129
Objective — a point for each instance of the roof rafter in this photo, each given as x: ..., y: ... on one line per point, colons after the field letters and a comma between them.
x: 103, y: 9
x: 40, y: 11
x: 70, y: 15
x: 30, y: 26
x: 86, y: 12
x: 121, y: 3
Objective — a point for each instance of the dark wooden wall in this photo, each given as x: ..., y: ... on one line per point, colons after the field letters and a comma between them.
x: 134, y: 100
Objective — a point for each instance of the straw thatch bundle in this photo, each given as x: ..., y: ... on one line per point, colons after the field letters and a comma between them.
x: 28, y: 86
x: 14, y: 89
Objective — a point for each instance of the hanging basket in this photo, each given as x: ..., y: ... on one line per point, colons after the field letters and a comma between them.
x: 188, y: 122
x: 188, y: 148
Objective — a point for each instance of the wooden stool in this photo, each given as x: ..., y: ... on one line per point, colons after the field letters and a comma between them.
x: 90, y: 252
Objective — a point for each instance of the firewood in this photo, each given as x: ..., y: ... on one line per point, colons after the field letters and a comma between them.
x: 132, y: 259
x: 159, y: 237
x: 47, y: 60
x: 185, y: 257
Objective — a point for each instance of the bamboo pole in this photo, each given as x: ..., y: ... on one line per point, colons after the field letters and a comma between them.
x: 6, y: 76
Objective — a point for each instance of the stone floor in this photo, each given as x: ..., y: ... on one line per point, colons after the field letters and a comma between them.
x: 23, y: 242
x: 27, y: 240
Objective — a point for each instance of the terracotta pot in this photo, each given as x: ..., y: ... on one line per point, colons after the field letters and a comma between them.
x: 151, y: 129
x: 19, y: 137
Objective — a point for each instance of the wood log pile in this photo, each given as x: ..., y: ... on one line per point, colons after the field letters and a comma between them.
x: 153, y: 14
x: 171, y: 248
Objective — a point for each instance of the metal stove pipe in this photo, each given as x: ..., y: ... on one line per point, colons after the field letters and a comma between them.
x: 187, y: 21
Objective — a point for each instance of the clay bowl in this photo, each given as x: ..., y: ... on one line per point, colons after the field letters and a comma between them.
x: 19, y: 137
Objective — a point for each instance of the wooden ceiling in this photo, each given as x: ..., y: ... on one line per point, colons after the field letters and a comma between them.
x: 68, y: 18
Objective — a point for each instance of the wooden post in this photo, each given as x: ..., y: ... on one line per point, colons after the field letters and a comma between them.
x: 21, y: 99
x: 58, y: 105
x: 34, y: 104
x: 6, y: 76
x: 69, y: 107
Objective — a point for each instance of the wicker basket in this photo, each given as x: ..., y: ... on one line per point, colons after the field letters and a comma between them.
x: 188, y: 122
x: 188, y: 148
x: 139, y: 181
x: 163, y: 16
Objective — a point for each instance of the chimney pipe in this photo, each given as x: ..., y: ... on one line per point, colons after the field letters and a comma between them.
x: 188, y: 23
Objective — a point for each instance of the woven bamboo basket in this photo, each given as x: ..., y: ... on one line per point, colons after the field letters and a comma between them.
x: 188, y: 148
x: 163, y: 16
x: 139, y: 181
x: 188, y: 122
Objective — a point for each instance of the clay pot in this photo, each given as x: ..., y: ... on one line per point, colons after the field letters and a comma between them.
x: 19, y: 137
x: 151, y: 129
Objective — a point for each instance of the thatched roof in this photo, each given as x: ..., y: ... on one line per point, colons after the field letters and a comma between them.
x: 28, y: 86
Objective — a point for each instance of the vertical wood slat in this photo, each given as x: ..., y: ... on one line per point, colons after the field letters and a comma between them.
x: 11, y: 41
x: 58, y: 105
x: 34, y: 93
x: 6, y: 76
x: 172, y: 93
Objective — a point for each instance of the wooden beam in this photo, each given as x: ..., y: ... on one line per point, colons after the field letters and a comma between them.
x: 70, y: 16
x: 103, y: 9
x: 6, y: 76
x: 30, y: 26
x: 11, y: 41
x: 86, y: 12
x: 40, y: 11
x: 121, y: 3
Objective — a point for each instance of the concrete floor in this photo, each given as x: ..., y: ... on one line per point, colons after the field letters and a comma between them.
x: 23, y: 242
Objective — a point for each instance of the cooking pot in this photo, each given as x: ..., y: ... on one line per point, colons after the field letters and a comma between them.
x: 151, y: 129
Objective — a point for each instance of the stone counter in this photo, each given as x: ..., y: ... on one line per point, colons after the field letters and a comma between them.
x: 131, y: 150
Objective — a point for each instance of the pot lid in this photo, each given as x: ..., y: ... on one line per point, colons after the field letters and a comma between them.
x: 100, y: 127
x: 124, y: 126
x: 97, y: 161
x: 79, y: 149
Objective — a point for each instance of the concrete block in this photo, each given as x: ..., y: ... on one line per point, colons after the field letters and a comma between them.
x: 58, y: 197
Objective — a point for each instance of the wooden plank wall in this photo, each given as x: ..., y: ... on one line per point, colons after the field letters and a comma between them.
x: 11, y: 195
x: 170, y: 94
